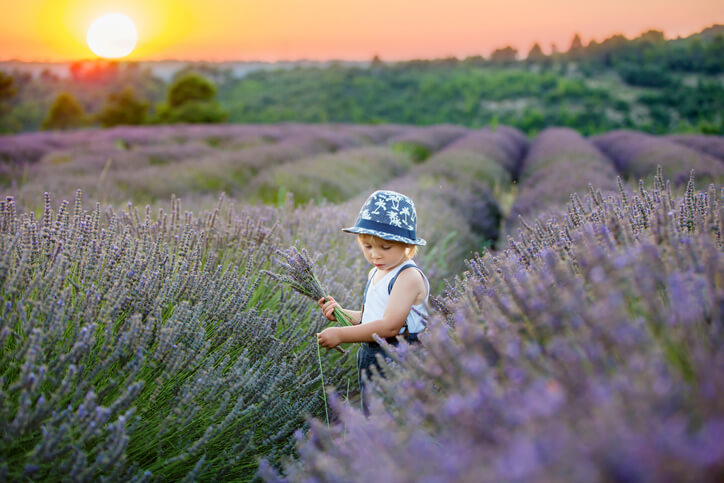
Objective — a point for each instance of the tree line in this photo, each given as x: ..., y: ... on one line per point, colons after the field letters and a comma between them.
x: 647, y: 83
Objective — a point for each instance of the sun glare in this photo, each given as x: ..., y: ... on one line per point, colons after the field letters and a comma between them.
x: 112, y: 36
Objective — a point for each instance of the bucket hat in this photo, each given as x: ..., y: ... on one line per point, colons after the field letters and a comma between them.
x: 388, y: 215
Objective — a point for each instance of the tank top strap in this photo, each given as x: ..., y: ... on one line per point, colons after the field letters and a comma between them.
x: 399, y: 271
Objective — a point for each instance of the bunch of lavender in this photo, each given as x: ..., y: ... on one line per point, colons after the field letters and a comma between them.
x: 591, y: 349
x: 299, y: 275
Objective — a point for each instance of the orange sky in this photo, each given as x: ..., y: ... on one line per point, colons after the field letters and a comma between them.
x: 214, y: 30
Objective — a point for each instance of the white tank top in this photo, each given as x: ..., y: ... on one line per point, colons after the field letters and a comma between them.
x: 378, y: 294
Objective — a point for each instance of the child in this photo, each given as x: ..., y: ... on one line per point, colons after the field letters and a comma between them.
x: 394, y: 298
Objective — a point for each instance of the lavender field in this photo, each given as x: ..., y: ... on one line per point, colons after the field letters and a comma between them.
x: 576, y: 330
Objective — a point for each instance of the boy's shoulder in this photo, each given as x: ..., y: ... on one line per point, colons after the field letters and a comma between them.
x: 411, y: 275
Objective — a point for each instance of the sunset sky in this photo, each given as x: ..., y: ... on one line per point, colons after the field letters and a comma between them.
x: 270, y: 30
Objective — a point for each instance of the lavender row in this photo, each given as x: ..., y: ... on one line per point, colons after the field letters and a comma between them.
x: 155, y: 172
x: 31, y: 147
x: 135, y: 344
x: 590, y: 350
x: 637, y: 154
x: 471, y: 173
x: 331, y: 177
x: 708, y: 144
x: 505, y: 145
x: 559, y: 162
x: 421, y: 142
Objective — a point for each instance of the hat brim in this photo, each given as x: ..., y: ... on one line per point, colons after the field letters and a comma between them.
x: 384, y: 236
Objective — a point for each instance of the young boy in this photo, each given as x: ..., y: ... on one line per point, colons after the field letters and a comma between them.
x: 394, y: 299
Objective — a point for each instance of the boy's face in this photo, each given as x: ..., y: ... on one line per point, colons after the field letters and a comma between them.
x: 383, y: 254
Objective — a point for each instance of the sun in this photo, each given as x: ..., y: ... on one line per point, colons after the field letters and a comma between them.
x: 112, y: 36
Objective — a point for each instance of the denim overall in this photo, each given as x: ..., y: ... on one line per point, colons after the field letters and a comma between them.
x: 367, y: 354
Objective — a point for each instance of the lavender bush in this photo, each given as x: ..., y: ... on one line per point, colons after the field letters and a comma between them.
x: 637, y: 154
x: 506, y: 146
x: 471, y: 174
x: 149, y: 346
x: 145, y: 347
x: 559, y: 162
x: 589, y: 350
x: 332, y: 177
x: 709, y: 144
x: 149, y: 172
x: 420, y: 142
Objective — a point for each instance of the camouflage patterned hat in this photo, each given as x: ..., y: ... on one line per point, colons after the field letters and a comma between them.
x: 388, y: 215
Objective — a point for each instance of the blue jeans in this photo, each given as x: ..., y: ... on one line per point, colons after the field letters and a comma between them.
x: 367, y: 357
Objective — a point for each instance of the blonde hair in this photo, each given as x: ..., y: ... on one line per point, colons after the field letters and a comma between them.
x: 410, y: 250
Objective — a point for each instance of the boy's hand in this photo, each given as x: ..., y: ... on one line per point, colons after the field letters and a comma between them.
x: 328, y: 304
x: 330, y: 338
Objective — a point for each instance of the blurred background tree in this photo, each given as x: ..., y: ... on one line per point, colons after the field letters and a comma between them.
x: 191, y: 98
x: 8, y: 91
x: 535, y: 54
x: 65, y: 113
x: 123, y: 108
x: 576, y: 50
x: 504, y: 55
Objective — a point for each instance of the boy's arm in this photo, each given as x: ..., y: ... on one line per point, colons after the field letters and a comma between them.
x: 408, y: 287
x: 355, y: 316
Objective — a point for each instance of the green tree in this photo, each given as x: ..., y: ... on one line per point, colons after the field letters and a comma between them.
x: 576, y: 49
x: 8, y: 91
x: 504, y: 55
x: 7, y: 88
x: 191, y: 98
x: 123, y: 108
x: 536, y: 54
x: 715, y: 55
x: 191, y: 87
x: 65, y: 113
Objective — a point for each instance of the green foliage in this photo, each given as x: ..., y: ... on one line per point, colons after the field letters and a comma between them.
x: 65, y: 113
x: 123, y: 108
x: 412, y: 94
x: 644, y: 75
x: 700, y: 104
x: 190, y: 88
x: 592, y: 88
x: 505, y: 54
x: 191, y: 98
x: 417, y: 152
x: 192, y: 112
x: 536, y: 53
x: 8, y: 91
